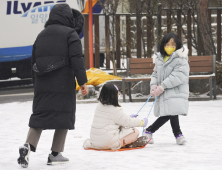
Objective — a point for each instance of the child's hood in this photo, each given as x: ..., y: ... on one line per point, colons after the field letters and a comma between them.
x: 182, y: 52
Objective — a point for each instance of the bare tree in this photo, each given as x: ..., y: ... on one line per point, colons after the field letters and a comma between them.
x: 110, y: 9
x: 205, y: 31
x: 201, y: 34
x: 151, y: 11
x: 148, y: 9
x: 188, y: 9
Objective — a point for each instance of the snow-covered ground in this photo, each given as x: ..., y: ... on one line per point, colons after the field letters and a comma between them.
x: 202, y: 129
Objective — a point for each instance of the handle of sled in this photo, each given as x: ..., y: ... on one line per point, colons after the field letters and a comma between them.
x: 150, y: 111
x: 144, y: 104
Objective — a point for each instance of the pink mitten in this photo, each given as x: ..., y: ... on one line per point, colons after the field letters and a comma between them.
x: 153, y: 90
x: 159, y: 90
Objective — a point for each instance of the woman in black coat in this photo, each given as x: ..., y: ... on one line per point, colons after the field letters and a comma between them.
x: 56, y: 61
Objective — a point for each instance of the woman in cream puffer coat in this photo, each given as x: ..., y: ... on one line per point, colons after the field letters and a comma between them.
x: 110, y: 124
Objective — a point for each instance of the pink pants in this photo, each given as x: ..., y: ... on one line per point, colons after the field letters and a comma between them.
x: 129, y: 138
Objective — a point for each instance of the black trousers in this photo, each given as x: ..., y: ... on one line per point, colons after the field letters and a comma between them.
x: 174, y: 121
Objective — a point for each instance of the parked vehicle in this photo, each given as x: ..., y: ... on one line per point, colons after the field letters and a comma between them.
x: 21, y: 21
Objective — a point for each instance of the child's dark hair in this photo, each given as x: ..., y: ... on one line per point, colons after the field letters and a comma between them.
x: 166, y: 39
x: 109, y: 95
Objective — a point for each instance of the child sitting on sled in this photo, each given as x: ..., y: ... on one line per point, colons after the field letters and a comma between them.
x: 111, y: 127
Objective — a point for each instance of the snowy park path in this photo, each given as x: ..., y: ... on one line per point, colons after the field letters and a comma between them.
x: 202, y: 129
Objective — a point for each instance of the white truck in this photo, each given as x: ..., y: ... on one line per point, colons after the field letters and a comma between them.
x: 21, y: 21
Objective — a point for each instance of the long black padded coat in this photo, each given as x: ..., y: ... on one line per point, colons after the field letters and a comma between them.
x: 56, y: 60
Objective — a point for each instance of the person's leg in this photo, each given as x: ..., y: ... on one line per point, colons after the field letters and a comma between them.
x: 33, y: 138
x: 58, y: 146
x: 129, y: 138
x: 59, y: 140
x: 157, y: 124
x: 30, y: 145
x: 174, y: 121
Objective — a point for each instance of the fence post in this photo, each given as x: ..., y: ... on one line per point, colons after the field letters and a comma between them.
x: 214, y: 80
x: 86, y: 41
x: 210, y: 82
x: 199, y: 41
x: 118, y: 40
x: 128, y: 39
x: 123, y: 89
x: 189, y: 41
x: 168, y: 20
x: 91, y: 60
x: 159, y: 27
x: 149, y: 35
x: 209, y: 16
x: 138, y: 28
x: 97, y: 55
x: 107, y: 42
x: 219, y: 35
x: 179, y: 28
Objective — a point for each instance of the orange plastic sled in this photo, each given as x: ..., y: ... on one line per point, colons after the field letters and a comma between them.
x: 118, y: 150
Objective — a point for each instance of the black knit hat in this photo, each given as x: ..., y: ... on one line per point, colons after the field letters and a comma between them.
x: 79, y: 20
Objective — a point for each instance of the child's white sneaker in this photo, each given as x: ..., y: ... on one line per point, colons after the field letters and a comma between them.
x: 149, y: 135
x: 180, y: 139
x: 24, y: 152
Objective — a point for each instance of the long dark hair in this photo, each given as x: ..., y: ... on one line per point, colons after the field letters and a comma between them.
x: 166, y: 39
x: 109, y: 95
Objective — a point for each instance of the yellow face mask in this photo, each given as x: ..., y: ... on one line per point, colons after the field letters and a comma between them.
x: 169, y: 50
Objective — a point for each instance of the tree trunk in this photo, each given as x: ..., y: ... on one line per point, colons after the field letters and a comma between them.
x: 205, y: 28
x: 114, y: 44
x: 114, y: 64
